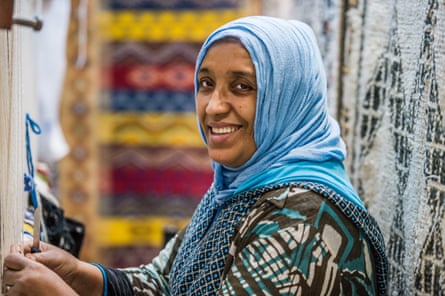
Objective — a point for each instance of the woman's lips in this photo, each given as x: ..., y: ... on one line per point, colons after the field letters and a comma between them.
x: 219, y: 135
x: 223, y: 130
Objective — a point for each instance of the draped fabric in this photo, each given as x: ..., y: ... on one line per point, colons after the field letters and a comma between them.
x: 394, y: 91
x: 153, y: 166
x: 389, y: 87
x: 292, y: 123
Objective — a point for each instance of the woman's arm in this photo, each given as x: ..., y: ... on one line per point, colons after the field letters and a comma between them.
x: 153, y: 278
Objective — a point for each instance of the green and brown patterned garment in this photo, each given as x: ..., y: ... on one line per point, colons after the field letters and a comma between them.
x: 288, y: 239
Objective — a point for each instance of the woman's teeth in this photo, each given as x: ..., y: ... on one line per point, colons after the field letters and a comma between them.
x: 223, y: 130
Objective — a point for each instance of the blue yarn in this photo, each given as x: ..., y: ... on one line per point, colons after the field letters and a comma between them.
x: 29, y: 178
x: 104, y: 276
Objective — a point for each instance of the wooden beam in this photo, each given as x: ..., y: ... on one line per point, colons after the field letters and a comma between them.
x: 6, y: 9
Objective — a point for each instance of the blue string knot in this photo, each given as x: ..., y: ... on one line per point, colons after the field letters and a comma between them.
x: 29, y: 183
x: 29, y: 178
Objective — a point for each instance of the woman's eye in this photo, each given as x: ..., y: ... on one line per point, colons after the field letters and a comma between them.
x: 243, y: 86
x: 205, y: 83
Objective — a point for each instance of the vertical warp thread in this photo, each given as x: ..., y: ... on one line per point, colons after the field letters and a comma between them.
x: 15, y: 90
x: 11, y: 135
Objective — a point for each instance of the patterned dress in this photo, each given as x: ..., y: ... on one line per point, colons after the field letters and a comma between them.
x: 289, y: 239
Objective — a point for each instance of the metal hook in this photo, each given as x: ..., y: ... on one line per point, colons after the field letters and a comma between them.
x: 36, y: 24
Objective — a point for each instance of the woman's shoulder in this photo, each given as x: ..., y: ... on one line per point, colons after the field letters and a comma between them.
x: 300, y: 228
x: 297, y: 217
x: 291, y: 205
x: 316, y: 211
x: 291, y: 198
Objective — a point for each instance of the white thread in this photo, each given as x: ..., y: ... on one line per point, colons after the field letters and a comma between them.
x: 16, y: 74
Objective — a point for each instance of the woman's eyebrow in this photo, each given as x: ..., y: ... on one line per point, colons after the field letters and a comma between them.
x: 203, y: 70
x: 243, y: 73
x: 236, y: 73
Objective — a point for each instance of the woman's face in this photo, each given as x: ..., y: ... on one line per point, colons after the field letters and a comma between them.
x: 226, y: 103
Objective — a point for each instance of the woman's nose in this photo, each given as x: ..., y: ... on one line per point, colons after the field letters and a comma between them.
x: 217, y: 103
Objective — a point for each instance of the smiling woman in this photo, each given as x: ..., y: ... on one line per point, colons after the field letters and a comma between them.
x: 281, y: 216
x: 226, y: 101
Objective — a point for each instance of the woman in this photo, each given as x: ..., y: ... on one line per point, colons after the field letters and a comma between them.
x: 281, y: 217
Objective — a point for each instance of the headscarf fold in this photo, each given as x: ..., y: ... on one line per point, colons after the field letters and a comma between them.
x: 293, y: 130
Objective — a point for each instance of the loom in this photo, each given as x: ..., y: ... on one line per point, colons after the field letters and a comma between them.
x: 17, y: 98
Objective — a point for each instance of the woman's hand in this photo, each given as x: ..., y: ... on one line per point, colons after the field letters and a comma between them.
x: 58, y: 260
x: 52, y: 271
x: 25, y: 276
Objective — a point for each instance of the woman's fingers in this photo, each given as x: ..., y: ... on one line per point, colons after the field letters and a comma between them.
x: 15, y: 261
x: 13, y: 266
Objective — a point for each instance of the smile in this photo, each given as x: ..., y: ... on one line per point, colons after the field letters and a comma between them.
x: 223, y: 130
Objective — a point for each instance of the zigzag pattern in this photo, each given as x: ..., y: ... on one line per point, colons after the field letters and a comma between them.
x: 174, y: 77
x: 153, y: 181
x: 148, y: 206
x: 161, y: 26
x: 151, y: 53
x: 149, y: 182
x: 152, y: 159
x: 168, y: 129
x: 148, y: 101
x: 171, y: 4
x: 191, y: 159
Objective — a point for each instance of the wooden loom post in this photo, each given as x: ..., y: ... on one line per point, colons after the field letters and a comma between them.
x: 6, y: 8
x: 16, y: 91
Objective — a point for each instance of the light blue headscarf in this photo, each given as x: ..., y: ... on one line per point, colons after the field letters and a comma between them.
x: 296, y: 138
